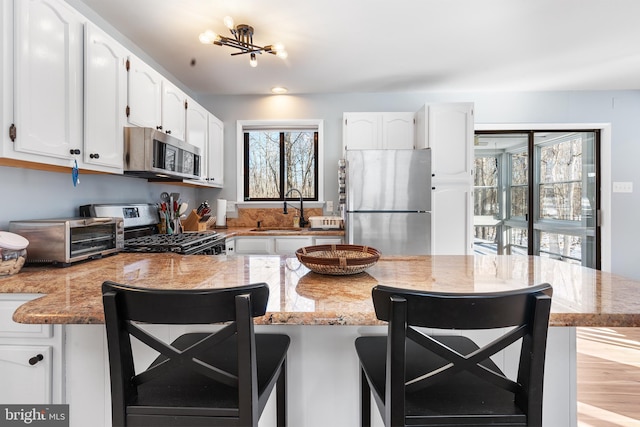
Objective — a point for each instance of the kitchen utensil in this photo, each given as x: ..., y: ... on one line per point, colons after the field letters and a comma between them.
x: 164, y: 196
x: 183, y: 208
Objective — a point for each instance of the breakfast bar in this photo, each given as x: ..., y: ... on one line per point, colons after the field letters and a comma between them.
x: 322, y: 313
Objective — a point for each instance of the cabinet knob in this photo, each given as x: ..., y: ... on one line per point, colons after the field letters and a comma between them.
x: 74, y: 151
x: 94, y: 156
x: 168, y: 131
x: 35, y: 359
x: 159, y: 127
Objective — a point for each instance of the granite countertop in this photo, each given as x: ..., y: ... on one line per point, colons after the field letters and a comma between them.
x: 582, y: 296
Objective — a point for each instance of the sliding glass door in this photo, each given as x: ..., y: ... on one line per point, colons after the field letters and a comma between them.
x: 537, y: 193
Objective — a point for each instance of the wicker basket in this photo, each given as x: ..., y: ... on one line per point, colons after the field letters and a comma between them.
x: 338, y: 259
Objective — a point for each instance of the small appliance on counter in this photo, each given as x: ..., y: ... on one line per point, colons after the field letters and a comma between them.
x: 63, y: 241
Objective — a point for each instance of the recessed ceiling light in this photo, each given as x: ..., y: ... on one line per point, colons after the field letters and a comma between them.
x: 279, y: 90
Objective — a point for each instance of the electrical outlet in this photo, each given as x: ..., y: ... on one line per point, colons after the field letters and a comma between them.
x: 329, y: 205
x: 623, y: 187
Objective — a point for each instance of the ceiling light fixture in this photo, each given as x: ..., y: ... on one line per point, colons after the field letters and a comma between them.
x: 242, y: 40
x: 279, y: 90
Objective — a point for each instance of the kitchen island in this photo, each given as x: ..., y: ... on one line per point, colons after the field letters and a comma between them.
x: 322, y: 314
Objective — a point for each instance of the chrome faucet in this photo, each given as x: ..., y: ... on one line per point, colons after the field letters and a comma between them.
x: 303, y: 222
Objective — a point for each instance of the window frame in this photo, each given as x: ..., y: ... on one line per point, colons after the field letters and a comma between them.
x: 532, y: 222
x: 316, y: 125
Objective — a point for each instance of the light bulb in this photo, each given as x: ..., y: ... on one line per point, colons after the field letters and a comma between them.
x: 253, y: 61
x: 207, y: 37
x: 228, y: 22
x: 282, y: 54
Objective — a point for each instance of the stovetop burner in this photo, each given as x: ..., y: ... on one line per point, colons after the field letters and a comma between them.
x: 184, y: 243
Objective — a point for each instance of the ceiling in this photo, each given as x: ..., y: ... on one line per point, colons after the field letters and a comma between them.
x: 345, y: 46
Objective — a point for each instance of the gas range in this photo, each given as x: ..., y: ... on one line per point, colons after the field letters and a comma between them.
x: 141, y: 231
x: 190, y: 243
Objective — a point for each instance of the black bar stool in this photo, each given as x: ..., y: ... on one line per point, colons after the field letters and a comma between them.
x: 421, y: 379
x: 221, y: 378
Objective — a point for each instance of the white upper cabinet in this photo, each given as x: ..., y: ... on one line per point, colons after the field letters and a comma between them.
x: 448, y: 130
x: 361, y: 131
x: 48, y: 81
x: 173, y: 110
x: 197, y: 122
x: 398, y: 131
x: 378, y: 131
x: 215, y: 152
x: 144, y: 104
x: 6, y: 75
x: 105, y: 100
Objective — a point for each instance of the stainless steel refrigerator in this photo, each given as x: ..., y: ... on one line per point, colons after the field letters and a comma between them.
x: 388, y: 200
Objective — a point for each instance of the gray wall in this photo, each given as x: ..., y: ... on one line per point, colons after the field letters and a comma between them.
x: 619, y: 108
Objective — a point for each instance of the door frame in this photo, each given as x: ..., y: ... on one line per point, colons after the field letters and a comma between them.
x: 605, y: 171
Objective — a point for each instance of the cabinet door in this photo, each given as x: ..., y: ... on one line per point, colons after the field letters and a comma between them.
x: 196, y: 132
x: 215, y: 152
x: 6, y: 76
x: 289, y: 245
x: 452, y: 220
x: 26, y: 374
x: 173, y: 110
x: 449, y: 133
x: 144, y: 94
x: 397, y: 131
x: 105, y: 95
x: 253, y: 245
x: 48, y: 78
x: 361, y: 131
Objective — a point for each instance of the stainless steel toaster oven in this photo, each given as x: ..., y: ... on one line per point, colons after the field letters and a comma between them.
x: 67, y: 240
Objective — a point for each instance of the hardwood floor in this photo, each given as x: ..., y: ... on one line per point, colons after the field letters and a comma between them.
x: 608, y: 377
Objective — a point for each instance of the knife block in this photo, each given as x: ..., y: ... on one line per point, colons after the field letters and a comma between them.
x: 195, y: 222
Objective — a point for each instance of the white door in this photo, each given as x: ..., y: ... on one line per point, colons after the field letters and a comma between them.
x: 173, y: 110
x: 215, y: 152
x: 26, y: 374
x: 105, y: 100
x: 144, y: 93
x: 48, y: 78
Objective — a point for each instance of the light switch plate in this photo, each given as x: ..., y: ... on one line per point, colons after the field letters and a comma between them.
x: 623, y: 187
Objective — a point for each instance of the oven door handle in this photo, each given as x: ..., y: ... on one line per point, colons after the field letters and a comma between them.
x: 90, y: 221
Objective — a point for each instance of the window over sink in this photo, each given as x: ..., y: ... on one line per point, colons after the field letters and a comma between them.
x: 278, y: 156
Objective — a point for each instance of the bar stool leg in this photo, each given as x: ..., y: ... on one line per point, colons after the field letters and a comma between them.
x: 365, y: 401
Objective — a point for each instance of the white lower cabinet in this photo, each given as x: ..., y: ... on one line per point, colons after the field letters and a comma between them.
x: 26, y: 374
x: 452, y: 220
x: 31, y: 357
x: 275, y: 245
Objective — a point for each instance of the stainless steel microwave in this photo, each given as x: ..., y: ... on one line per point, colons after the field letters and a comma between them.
x: 150, y: 153
x: 64, y: 241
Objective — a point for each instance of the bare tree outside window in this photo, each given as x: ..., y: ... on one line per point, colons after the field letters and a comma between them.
x: 562, y: 223
x: 277, y: 161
